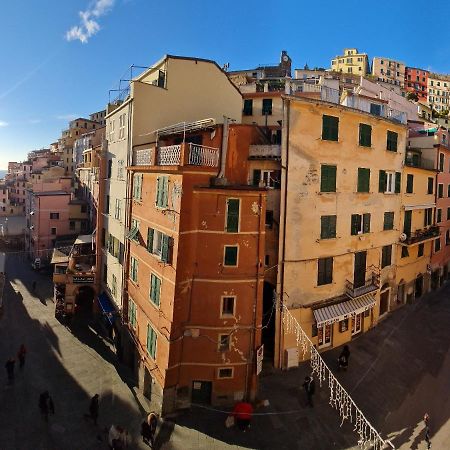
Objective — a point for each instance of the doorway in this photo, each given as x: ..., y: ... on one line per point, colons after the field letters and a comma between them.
x: 324, y: 335
x: 201, y: 392
x: 359, y: 274
x: 419, y: 286
x: 84, y: 301
x: 268, y: 321
x: 357, y: 324
x: 384, y: 302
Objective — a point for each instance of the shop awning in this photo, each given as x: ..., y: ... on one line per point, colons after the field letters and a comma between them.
x: 106, y: 306
x: 132, y: 233
x: 340, y: 311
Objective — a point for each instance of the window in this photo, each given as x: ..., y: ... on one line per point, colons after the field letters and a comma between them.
x: 134, y: 231
x: 437, y: 244
x: 269, y: 219
x: 375, y: 109
x: 388, y: 220
x: 224, y: 342
x: 389, y: 182
x: 327, y: 227
x: 447, y: 237
x: 327, y: 178
x: 134, y: 269
x: 72, y: 225
x: 120, y: 167
x: 363, y: 180
x: 343, y: 326
x: 392, y: 138
x: 232, y: 221
x: 439, y: 215
x: 405, y: 252
x: 53, y: 230
x: 360, y: 224
x: 113, y: 285
x: 386, y: 256
x: 109, y: 168
x: 137, y: 186
x: 448, y: 213
x: 441, y: 162
x: 440, y: 190
x: 365, y: 135
x: 430, y: 185
x: 118, y: 209
x: 428, y: 217
x: 230, y: 255
x: 267, y: 178
x: 248, y: 107
x: 159, y: 244
x: 324, y: 271
x: 409, y: 183
x: 162, y: 192
x: 267, y: 261
x: 151, y: 341
x: 155, y: 289
x: 122, y: 120
x: 330, y: 128
x: 267, y: 107
x: 228, y: 304
x: 225, y: 372
x: 111, y: 130
x: 54, y: 215
x: 132, y: 313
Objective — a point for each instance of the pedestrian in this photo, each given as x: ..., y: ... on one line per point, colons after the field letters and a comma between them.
x: 9, y: 366
x: 146, y: 433
x: 426, y: 420
x: 152, y: 421
x: 46, y: 405
x: 310, y: 388
x: 21, y: 356
x: 93, y: 408
x: 242, y: 413
x: 117, y: 438
x: 343, y: 358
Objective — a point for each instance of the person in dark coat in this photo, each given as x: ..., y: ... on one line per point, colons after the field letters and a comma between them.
x: 148, y: 429
x: 343, y: 358
x: 426, y: 421
x: 310, y: 387
x: 242, y: 413
x: 9, y: 366
x: 21, y: 356
x: 46, y: 405
x: 93, y: 408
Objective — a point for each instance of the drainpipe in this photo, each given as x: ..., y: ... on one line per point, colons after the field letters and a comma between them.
x: 223, y: 156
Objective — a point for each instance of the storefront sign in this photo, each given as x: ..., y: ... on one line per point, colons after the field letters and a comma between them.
x: 83, y: 279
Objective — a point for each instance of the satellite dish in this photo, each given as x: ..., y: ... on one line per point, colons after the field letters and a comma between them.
x: 403, y: 237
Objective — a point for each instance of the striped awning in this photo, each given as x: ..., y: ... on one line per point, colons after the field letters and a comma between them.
x: 340, y: 311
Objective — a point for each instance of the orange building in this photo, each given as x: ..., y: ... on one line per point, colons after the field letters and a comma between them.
x: 196, y: 265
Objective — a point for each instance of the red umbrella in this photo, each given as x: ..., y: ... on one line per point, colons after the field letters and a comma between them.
x: 243, y: 411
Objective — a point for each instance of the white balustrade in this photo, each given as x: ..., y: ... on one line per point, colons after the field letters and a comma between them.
x: 200, y: 155
x: 142, y: 157
x: 169, y: 156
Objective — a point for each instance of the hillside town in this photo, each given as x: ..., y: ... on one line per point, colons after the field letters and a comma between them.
x: 221, y: 227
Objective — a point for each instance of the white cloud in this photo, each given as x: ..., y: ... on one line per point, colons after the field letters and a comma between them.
x: 34, y: 121
x: 3, y: 124
x: 67, y: 117
x: 88, y: 25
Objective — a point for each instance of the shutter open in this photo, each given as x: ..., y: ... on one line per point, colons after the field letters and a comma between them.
x: 150, y: 234
x: 165, y: 249
x: 398, y: 182
x: 382, y: 181
x: 366, y: 223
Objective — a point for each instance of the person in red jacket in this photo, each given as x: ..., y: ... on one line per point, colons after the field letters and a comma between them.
x: 242, y: 413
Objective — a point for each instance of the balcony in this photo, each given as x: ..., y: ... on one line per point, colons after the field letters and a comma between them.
x: 265, y: 152
x: 371, y: 283
x: 422, y: 235
x: 413, y: 158
x: 177, y: 155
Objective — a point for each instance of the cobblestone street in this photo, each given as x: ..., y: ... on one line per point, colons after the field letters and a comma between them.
x: 398, y: 371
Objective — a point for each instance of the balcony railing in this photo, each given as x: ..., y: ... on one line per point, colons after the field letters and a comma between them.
x: 414, y: 159
x: 422, y: 235
x: 169, y: 156
x: 265, y: 151
x: 371, y: 283
x: 143, y: 157
x: 199, y: 155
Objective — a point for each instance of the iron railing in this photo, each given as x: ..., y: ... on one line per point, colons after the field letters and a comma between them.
x: 200, y: 155
x: 371, y: 283
x: 422, y: 235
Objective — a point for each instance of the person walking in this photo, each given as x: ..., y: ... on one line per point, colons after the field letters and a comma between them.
x: 343, y: 358
x: 426, y: 421
x: 242, y: 413
x: 21, y: 356
x: 310, y: 387
x: 117, y: 438
x: 9, y: 366
x: 46, y: 405
x: 93, y: 408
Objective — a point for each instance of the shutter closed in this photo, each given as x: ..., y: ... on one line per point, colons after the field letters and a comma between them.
x: 382, y: 181
x: 150, y: 234
x: 398, y: 182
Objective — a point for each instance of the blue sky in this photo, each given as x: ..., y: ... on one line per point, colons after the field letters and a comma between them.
x: 48, y: 75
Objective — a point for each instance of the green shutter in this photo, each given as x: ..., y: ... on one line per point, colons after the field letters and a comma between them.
x: 232, y: 225
x: 409, y: 183
x: 439, y: 215
x: 155, y: 286
x: 256, y: 177
x: 355, y: 224
x: 366, y: 223
x: 405, y: 252
x: 165, y: 192
x: 327, y: 227
x: 165, y: 249
x: 324, y: 271
x: 407, y: 223
x: 327, y: 178
x: 365, y: 135
x: 420, y: 249
x: 382, y: 181
x: 150, y: 234
x: 157, y: 290
x: 392, y: 138
x: 151, y: 341
x: 398, y: 182
x: 330, y: 128
x: 363, y: 180
x: 388, y: 221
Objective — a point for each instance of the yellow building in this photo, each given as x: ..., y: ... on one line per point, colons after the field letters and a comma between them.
x: 339, y: 220
x: 352, y: 61
x: 418, y: 228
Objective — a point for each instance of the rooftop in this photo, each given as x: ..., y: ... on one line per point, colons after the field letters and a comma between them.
x: 49, y: 193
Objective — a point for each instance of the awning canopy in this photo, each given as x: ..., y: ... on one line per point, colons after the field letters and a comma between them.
x: 107, y: 307
x: 132, y: 233
x: 340, y: 311
x: 84, y: 239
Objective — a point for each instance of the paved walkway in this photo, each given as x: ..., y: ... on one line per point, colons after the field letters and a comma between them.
x: 398, y: 371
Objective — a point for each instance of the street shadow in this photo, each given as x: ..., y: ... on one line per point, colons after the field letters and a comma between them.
x: 71, y: 376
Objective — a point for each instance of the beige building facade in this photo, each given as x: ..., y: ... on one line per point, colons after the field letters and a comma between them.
x: 439, y: 92
x: 389, y: 71
x: 352, y: 61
